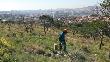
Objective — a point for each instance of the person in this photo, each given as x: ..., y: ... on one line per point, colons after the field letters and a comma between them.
x: 62, y: 43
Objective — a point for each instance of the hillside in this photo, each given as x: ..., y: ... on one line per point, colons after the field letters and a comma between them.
x: 17, y: 45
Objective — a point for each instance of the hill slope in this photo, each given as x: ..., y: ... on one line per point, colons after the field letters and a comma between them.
x: 16, y: 45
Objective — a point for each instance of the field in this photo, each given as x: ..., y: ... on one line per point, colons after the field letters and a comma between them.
x: 17, y: 45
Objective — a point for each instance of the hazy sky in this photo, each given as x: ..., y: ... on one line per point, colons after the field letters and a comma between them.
x: 44, y: 4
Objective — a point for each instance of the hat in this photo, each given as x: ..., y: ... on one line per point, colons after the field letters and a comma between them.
x: 65, y: 30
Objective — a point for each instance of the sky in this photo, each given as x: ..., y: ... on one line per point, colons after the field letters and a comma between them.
x: 44, y: 4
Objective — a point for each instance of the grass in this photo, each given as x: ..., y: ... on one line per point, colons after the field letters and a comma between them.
x: 83, y: 50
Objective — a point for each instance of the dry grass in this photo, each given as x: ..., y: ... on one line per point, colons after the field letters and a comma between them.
x: 36, y: 45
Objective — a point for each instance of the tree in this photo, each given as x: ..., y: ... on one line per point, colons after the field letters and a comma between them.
x: 47, y: 21
x: 58, y: 23
x: 105, y: 5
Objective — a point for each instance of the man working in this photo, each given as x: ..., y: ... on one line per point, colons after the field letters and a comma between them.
x: 62, y: 40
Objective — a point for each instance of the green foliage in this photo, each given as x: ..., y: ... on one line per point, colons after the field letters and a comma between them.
x: 105, y: 7
x: 90, y: 28
x: 48, y: 19
x: 58, y: 23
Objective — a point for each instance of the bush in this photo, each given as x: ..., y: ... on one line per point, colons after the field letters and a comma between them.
x: 91, y: 28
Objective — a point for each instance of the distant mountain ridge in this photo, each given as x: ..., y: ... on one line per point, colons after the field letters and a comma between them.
x: 58, y: 12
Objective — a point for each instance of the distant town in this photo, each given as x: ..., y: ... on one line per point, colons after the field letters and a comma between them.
x: 86, y: 14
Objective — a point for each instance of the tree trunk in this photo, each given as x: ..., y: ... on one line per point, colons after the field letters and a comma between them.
x: 44, y: 28
x: 101, y: 42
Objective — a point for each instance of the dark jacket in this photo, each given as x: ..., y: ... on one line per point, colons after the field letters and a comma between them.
x: 62, y: 37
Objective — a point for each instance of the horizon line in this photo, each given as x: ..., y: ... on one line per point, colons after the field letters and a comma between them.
x: 44, y: 9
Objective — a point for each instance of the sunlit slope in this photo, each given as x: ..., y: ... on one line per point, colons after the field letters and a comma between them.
x: 16, y: 45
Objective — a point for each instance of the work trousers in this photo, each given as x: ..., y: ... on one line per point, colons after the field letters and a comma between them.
x: 62, y: 46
